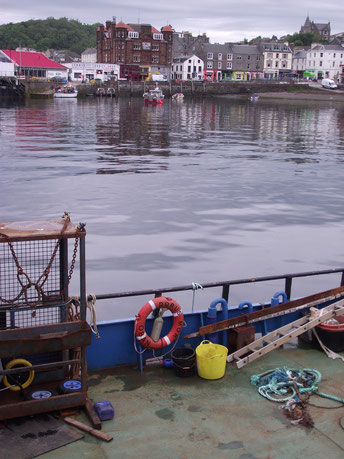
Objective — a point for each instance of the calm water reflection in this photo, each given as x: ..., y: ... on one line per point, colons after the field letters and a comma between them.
x: 203, y: 190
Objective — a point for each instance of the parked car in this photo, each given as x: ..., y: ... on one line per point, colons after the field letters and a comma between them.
x: 328, y: 84
x: 58, y: 79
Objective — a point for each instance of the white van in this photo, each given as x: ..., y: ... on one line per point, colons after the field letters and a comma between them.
x: 329, y: 84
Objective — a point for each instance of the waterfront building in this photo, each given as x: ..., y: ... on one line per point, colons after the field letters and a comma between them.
x: 299, y: 62
x: 89, y: 56
x: 139, y: 49
x: 277, y: 60
x: 89, y: 71
x: 6, y: 66
x: 185, y: 44
x: 325, y: 61
x: 248, y: 62
x: 323, y: 30
x: 35, y: 65
x: 218, y: 61
x: 187, y: 68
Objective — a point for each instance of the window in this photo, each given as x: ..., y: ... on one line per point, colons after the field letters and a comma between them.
x: 155, y: 47
x: 209, y: 65
x: 321, y: 54
x: 199, y: 69
x: 210, y: 56
x: 219, y: 56
x: 188, y: 76
x: 155, y: 59
x: 219, y: 65
x: 158, y: 36
x: 284, y: 56
x: 229, y: 57
x: 269, y: 55
x: 277, y: 55
x: 248, y: 66
x: 133, y: 35
x: 268, y: 63
x: 189, y: 68
x: 276, y: 64
x: 239, y: 58
x: 229, y: 65
x: 334, y: 54
x: 333, y: 64
x: 320, y: 64
x: 137, y: 45
x: 284, y: 64
x: 136, y: 58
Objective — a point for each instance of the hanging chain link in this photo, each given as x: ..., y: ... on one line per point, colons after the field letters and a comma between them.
x: 38, y: 285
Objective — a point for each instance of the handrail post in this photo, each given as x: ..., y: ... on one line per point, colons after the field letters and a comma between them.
x: 288, y: 282
x: 225, y: 292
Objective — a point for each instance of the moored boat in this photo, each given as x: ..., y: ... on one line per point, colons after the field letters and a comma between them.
x: 48, y: 325
x: 67, y: 92
x: 154, y: 96
x: 178, y: 96
x: 100, y: 92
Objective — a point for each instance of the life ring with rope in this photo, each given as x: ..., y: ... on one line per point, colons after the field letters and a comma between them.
x: 140, y: 322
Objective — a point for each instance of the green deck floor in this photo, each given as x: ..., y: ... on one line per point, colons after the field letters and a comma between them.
x: 160, y: 415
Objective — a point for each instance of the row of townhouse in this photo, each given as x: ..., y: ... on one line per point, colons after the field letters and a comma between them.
x: 142, y: 51
x: 236, y: 62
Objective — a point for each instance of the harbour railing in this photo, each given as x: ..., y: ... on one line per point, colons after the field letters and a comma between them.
x: 288, y: 280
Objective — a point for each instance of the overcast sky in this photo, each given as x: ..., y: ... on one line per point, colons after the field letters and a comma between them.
x: 221, y: 20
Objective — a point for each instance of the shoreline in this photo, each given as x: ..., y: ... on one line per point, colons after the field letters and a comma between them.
x: 310, y: 96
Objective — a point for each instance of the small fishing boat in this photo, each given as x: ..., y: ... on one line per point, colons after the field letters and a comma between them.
x: 129, y: 360
x: 66, y: 92
x: 110, y: 92
x: 100, y: 92
x: 178, y: 96
x: 154, y: 96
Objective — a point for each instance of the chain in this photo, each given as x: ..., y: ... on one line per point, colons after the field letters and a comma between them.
x: 38, y: 285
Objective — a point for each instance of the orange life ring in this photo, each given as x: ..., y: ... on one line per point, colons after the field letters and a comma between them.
x: 148, y: 308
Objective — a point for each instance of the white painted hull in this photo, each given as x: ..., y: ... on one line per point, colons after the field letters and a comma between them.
x: 66, y: 95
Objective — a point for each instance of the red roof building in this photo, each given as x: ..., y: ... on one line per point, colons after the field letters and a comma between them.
x: 35, y: 64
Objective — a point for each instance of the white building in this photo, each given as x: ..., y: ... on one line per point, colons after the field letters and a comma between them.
x: 6, y: 66
x: 89, y: 55
x: 299, y: 62
x: 82, y: 71
x: 187, y: 68
x: 277, y: 60
x: 325, y: 61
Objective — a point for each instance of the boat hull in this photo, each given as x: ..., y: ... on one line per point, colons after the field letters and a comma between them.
x: 62, y: 95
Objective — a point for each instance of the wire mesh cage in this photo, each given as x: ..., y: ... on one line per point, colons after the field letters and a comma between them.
x: 34, y: 272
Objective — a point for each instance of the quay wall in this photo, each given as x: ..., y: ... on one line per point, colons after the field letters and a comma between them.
x: 39, y: 88
x: 188, y: 88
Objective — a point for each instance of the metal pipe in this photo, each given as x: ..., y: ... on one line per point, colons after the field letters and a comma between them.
x: 225, y: 284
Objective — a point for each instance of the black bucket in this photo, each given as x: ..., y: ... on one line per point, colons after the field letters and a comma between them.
x: 184, y: 361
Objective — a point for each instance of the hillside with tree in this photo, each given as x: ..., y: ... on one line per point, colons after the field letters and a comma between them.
x: 49, y: 33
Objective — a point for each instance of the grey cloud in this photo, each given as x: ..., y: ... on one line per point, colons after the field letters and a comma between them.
x: 221, y: 21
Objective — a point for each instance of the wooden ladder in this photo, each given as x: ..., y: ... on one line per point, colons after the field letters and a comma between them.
x: 282, y: 335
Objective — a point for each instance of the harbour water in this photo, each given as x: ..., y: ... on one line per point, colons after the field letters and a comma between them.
x: 198, y: 191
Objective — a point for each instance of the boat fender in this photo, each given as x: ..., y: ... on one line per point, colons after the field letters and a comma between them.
x: 140, y: 322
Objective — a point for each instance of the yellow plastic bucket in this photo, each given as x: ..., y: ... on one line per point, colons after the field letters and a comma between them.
x: 211, y: 360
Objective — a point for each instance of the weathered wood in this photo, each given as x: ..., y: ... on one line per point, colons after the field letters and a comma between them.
x: 86, y: 428
x: 281, y: 336
x: 272, y: 311
x: 92, y: 414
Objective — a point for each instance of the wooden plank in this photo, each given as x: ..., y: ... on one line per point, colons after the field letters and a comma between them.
x: 272, y: 311
x: 92, y: 415
x: 90, y: 430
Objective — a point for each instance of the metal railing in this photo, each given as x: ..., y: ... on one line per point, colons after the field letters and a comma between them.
x: 288, y: 279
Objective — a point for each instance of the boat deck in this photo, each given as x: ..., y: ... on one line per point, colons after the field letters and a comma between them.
x: 161, y: 415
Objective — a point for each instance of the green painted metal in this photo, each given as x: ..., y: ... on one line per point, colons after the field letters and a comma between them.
x: 158, y: 414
